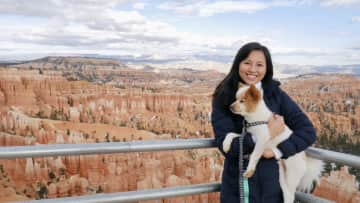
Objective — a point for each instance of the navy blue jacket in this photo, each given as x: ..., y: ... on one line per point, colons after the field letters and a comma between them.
x: 264, y: 184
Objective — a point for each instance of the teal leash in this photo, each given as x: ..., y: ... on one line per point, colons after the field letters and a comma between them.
x: 246, y: 190
x: 243, y: 182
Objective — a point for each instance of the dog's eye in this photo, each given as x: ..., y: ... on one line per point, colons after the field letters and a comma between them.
x: 241, y: 100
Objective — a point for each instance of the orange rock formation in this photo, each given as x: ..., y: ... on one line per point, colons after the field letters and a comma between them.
x: 339, y: 186
x: 47, y: 108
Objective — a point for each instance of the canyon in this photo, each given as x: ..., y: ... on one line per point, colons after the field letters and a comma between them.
x: 82, y: 100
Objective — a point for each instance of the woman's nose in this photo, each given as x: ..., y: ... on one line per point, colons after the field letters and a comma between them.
x: 253, y: 67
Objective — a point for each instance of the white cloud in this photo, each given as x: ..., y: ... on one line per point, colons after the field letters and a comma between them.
x: 231, y: 6
x: 314, y: 52
x: 74, y: 28
x: 339, y: 2
x: 50, y: 8
x: 139, y: 6
x: 290, y: 2
x: 205, y: 8
x: 100, y: 26
x: 26, y: 8
x: 75, y: 25
x: 355, y: 19
x: 314, y: 56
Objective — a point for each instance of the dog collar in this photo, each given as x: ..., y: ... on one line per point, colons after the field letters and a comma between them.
x: 249, y: 125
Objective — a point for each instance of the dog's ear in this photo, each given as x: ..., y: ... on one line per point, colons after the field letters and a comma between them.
x: 240, y: 85
x: 254, y: 93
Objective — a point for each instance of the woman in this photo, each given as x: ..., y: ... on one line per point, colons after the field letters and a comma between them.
x: 253, y: 65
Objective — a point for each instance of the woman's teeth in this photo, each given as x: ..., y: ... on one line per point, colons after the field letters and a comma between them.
x: 251, y: 76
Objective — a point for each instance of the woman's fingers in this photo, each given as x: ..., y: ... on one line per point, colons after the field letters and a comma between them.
x: 276, y: 125
x: 268, y: 153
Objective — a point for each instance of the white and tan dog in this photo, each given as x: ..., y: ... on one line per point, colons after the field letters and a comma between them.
x: 296, y: 172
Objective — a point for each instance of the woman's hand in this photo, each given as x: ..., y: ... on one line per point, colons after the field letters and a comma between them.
x: 268, y: 153
x: 276, y: 125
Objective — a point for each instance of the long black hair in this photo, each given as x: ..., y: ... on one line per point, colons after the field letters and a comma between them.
x: 224, y: 93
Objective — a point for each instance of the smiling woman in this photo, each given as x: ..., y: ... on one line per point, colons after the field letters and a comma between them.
x: 253, y: 66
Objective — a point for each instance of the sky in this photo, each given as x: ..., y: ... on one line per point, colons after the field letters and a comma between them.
x: 303, y: 32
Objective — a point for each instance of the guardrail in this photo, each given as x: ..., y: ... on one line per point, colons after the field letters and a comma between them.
x: 145, y: 146
x: 134, y: 196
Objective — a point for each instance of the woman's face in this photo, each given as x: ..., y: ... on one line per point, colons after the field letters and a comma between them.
x: 252, y: 69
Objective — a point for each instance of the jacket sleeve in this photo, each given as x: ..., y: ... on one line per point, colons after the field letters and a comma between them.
x: 304, y: 133
x: 223, y: 124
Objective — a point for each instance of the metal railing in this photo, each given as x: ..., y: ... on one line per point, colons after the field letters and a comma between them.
x: 102, y: 148
x: 134, y: 196
x: 145, y: 146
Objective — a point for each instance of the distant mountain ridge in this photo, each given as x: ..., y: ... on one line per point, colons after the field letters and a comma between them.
x: 147, y: 64
x: 223, y: 64
x: 296, y: 70
x: 113, y: 72
x: 62, y: 62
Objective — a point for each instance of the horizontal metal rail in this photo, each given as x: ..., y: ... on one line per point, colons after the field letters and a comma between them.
x: 102, y: 148
x: 152, y: 194
x: 332, y: 156
x: 155, y: 145
x: 139, y: 195
x: 150, y: 145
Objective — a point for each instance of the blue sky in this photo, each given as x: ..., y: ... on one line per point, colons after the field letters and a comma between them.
x: 303, y: 32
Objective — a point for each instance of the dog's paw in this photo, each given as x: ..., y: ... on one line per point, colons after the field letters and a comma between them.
x: 227, y: 144
x: 228, y: 140
x: 249, y: 173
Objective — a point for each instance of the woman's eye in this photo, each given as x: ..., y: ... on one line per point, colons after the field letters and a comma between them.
x: 260, y: 65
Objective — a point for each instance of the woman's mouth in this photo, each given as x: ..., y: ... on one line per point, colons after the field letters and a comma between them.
x: 251, y: 76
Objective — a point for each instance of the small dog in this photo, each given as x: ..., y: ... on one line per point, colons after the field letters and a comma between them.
x: 296, y: 172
